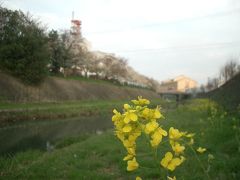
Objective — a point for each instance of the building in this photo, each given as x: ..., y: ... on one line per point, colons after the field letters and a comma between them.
x: 180, y: 84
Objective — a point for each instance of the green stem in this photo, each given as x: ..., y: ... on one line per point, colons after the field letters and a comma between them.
x: 201, y: 164
x: 145, y: 167
x: 167, y: 173
x: 144, y: 154
x: 155, y: 156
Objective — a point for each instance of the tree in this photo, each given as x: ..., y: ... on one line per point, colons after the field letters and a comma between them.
x: 202, y: 88
x: 229, y: 70
x: 212, y: 84
x: 120, y: 68
x: 23, y: 46
x: 68, y: 56
x: 77, y: 55
x: 86, y: 62
x: 153, y: 84
x: 114, y: 67
x: 59, y: 53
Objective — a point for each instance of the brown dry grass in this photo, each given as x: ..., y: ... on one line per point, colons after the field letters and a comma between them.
x: 58, y: 89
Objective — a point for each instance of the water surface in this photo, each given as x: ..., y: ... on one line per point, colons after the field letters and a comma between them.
x: 36, y: 135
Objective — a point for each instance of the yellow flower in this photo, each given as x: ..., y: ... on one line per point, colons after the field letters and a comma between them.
x: 151, y: 126
x: 131, y: 151
x: 177, y: 148
x: 157, y: 137
x: 126, y: 106
x: 210, y: 157
x: 141, y: 101
x: 171, y: 163
x: 157, y: 114
x: 133, y: 137
x: 138, y: 178
x: 191, y: 141
x: 137, y: 118
x: 135, y: 102
x: 201, y: 150
x: 172, y: 178
x: 132, y: 165
x: 130, y: 116
x: 128, y: 157
x: 174, y: 134
x: 120, y: 135
x: 162, y: 131
x: 127, y: 128
x: 116, y: 115
x: 146, y: 112
x: 190, y: 135
x: 128, y: 143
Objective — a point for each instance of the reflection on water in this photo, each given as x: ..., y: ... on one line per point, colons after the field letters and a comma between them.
x: 38, y: 134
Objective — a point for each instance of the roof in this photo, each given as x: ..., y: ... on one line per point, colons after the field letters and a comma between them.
x: 178, y: 78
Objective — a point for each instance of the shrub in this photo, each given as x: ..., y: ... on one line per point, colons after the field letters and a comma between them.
x: 23, y: 46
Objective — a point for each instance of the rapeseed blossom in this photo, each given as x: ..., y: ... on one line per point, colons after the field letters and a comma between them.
x: 137, y: 119
x: 171, y: 163
x: 177, y: 148
x: 201, y: 150
x: 138, y: 178
x: 156, y: 137
x: 132, y: 165
x: 171, y: 178
x: 141, y: 101
x: 175, y: 134
x: 151, y: 127
x: 130, y: 116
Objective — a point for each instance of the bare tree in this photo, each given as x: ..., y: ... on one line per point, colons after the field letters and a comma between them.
x: 213, y: 83
x: 229, y: 70
x: 202, y: 88
x: 118, y: 68
x: 113, y: 67
x: 154, y: 85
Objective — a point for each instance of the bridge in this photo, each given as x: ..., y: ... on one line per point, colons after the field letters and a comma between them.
x: 178, y: 96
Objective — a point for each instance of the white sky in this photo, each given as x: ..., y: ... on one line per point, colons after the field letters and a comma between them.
x: 160, y: 38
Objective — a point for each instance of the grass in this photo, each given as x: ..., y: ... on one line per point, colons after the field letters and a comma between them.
x: 12, y: 113
x: 100, y: 81
x: 55, y: 105
x: 17, y: 113
x: 228, y: 94
x: 69, y: 89
x: 90, y: 80
x: 100, y: 156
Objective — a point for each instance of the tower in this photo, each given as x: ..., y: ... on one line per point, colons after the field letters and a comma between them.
x: 75, y: 26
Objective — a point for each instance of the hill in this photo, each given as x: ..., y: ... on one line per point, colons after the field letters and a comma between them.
x: 228, y: 95
x: 55, y: 89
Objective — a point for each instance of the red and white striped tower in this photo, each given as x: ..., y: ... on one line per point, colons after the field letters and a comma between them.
x: 75, y: 26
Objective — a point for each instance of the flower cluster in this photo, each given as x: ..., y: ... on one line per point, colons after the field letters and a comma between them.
x: 138, y: 119
x: 130, y: 125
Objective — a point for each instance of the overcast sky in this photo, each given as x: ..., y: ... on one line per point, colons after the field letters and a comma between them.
x: 160, y: 38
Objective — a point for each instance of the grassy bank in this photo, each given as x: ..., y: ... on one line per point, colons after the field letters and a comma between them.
x: 100, y: 156
x: 14, y: 113
x: 58, y: 89
x: 228, y: 94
